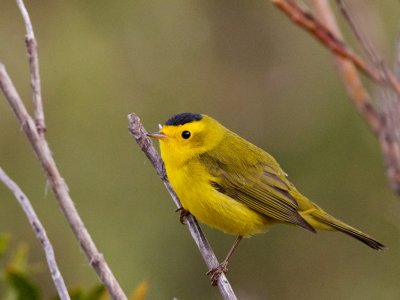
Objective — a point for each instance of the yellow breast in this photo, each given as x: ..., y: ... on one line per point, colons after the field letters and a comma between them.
x: 193, y: 186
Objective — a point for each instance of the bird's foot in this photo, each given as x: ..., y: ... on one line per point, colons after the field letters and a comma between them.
x: 217, y: 272
x: 183, y: 213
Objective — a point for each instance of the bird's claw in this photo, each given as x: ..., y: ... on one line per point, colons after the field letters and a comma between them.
x: 183, y: 213
x: 217, y: 272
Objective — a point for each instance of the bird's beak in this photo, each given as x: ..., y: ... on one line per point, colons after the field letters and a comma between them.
x: 157, y: 135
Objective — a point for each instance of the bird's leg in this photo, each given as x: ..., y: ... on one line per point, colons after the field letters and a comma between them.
x: 223, y: 266
x: 183, y: 213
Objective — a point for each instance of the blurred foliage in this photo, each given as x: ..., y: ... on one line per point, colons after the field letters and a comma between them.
x: 243, y: 63
x: 19, y: 287
x: 16, y: 278
x: 96, y: 293
x: 15, y: 282
x: 141, y: 291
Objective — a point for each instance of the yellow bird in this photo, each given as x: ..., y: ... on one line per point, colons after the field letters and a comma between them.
x: 232, y: 185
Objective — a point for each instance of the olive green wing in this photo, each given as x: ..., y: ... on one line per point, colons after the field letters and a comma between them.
x: 254, y: 179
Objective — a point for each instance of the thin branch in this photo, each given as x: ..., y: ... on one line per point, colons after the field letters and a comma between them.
x: 372, y: 54
x: 139, y: 134
x: 386, y: 96
x: 59, y: 187
x: 346, y: 63
x: 361, y: 37
x: 40, y: 233
x: 397, y: 56
x: 381, y: 122
x: 389, y: 138
x: 308, y: 22
x: 31, y: 46
x: 381, y: 127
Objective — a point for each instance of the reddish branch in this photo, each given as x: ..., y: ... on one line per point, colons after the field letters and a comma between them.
x: 308, y: 22
x: 328, y: 33
x: 383, y: 128
x: 346, y: 60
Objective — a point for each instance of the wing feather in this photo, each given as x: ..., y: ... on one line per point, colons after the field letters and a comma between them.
x: 255, y: 180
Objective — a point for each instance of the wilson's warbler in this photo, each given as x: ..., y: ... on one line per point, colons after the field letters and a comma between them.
x: 232, y: 185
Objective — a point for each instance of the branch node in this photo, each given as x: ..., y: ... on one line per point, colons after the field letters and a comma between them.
x: 96, y: 259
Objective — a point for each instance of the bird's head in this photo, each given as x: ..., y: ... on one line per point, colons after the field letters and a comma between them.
x: 187, y: 135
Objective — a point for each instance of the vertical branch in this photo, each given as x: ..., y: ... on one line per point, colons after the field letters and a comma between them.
x: 31, y: 46
x: 34, y: 131
x: 139, y: 134
x: 40, y: 233
x: 59, y: 187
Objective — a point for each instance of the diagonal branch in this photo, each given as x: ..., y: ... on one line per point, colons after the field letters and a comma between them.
x: 389, y: 100
x: 31, y: 46
x: 349, y: 74
x: 139, y: 134
x: 390, y: 79
x: 309, y: 23
x: 347, y: 63
x: 361, y: 37
x: 59, y: 187
x: 330, y: 40
x: 381, y: 122
x: 40, y: 234
x: 389, y: 144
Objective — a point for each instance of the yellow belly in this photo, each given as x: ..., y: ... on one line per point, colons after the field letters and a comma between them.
x: 212, y: 207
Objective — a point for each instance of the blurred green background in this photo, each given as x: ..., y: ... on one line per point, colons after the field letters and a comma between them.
x: 242, y: 62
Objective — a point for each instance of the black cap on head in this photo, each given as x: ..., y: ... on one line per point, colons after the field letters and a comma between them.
x: 184, y: 118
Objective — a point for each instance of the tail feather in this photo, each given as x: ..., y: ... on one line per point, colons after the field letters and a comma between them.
x: 326, y: 219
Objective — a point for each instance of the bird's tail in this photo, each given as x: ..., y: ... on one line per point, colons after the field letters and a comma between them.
x: 319, y: 219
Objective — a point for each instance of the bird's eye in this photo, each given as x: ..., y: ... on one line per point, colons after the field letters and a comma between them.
x: 186, y: 134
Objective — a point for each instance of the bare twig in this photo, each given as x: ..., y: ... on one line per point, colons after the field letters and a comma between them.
x: 397, y: 56
x: 346, y: 64
x: 381, y: 127
x: 40, y: 234
x: 35, y: 134
x: 369, y: 49
x: 139, y: 133
x: 59, y: 187
x: 392, y: 106
x: 31, y: 46
x: 372, y: 54
x: 389, y: 103
x: 382, y: 120
x: 389, y: 138
x: 349, y: 74
x: 308, y: 22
